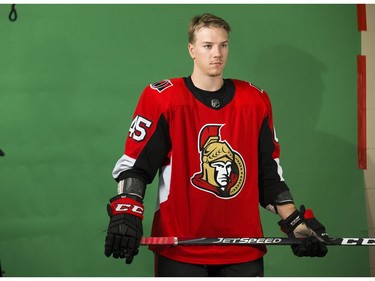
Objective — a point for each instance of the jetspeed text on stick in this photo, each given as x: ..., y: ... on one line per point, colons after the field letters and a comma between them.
x: 248, y: 240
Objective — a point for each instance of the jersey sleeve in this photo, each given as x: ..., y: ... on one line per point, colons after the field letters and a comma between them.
x: 148, y: 141
x: 272, y: 187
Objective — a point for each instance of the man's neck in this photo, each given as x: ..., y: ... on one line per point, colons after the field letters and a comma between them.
x: 207, y: 83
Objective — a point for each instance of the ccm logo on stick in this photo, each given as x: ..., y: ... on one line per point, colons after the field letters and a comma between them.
x: 358, y: 241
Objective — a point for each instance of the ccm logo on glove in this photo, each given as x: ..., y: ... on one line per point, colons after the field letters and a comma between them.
x: 127, y: 205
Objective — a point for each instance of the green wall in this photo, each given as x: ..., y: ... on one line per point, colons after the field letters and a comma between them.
x: 70, y: 77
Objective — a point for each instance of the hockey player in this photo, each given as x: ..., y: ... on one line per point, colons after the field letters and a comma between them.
x: 213, y: 142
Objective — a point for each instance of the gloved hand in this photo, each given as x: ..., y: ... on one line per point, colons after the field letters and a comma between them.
x: 125, y: 228
x: 303, y: 224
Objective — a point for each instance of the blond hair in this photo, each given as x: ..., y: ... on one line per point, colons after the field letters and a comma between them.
x: 205, y: 20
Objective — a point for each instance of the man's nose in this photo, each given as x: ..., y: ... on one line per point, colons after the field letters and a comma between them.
x: 217, y: 52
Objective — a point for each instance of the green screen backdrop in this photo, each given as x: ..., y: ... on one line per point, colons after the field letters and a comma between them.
x: 70, y: 78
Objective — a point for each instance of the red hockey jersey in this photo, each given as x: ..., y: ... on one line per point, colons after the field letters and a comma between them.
x: 217, y: 158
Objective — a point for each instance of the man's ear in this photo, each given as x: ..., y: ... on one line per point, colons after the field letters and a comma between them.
x: 191, y: 50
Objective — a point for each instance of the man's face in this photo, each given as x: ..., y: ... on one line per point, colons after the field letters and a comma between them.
x: 210, y: 51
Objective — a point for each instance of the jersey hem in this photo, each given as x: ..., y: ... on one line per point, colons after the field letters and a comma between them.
x: 213, y: 262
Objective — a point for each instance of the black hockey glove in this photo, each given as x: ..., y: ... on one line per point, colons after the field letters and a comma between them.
x: 125, y: 228
x: 303, y: 224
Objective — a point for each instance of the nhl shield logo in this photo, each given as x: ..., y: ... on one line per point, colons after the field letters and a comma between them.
x: 222, y: 168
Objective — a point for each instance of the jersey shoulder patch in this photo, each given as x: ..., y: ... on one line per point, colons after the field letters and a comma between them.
x: 245, y: 85
x: 256, y: 87
x: 161, y: 85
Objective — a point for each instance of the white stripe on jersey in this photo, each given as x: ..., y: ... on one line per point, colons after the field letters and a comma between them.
x: 123, y: 164
x: 279, y: 169
x: 164, y: 184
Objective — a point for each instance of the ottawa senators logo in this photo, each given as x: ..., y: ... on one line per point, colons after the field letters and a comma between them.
x: 222, y: 169
x: 161, y: 85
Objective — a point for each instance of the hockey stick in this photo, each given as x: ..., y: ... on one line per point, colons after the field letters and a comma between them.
x: 251, y: 241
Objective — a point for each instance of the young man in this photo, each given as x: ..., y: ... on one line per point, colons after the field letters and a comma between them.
x: 213, y: 142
